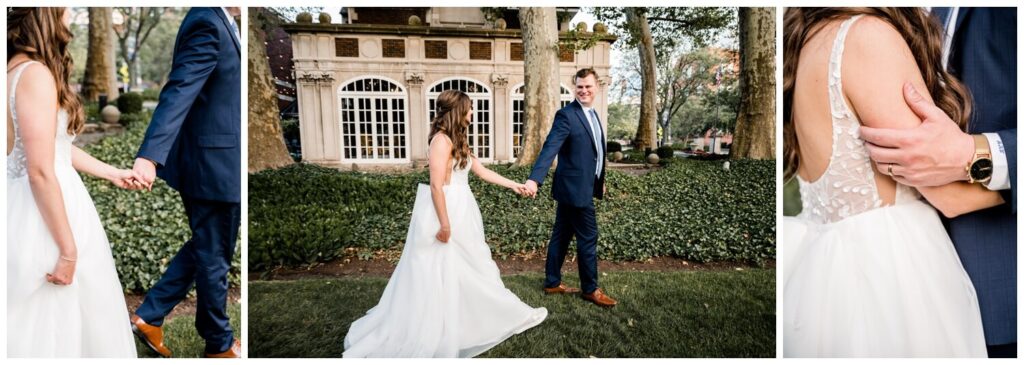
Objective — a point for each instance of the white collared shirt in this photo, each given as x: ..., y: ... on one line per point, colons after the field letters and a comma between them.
x: 234, y: 25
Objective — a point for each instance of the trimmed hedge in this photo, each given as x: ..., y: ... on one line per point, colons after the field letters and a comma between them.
x: 303, y: 214
x: 613, y: 147
x: 145, y: 228
x: 665, y: 152
x: 129, y: 103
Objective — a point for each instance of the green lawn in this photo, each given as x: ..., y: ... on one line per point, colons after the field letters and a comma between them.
x: 660, y: 314
x: 181, y: 337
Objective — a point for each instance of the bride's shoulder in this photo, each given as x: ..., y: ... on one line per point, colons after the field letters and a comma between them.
x: 36, y: 81
x: 874, y: 36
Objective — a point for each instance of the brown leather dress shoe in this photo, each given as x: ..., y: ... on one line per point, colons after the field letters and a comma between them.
x: 561, y: 289
x: 150, y: 335
x: 234, y: 352
x: 599, y: 298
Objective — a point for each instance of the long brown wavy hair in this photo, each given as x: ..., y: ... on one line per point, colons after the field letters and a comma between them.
x: 450, y: 120
x: 41, y: 35
x: 921, y: 31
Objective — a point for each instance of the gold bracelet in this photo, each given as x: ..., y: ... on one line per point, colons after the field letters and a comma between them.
x: 67, y: 259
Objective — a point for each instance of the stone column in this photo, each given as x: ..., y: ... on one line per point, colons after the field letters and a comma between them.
x: 502, y: 128
x: 310, y: 125
x: 329, y: 121
x: 418, y: 126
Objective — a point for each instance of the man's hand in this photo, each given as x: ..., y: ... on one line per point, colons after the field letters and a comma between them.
x: 531, y: 188
x: 932, y: 154
x: 145, y: 172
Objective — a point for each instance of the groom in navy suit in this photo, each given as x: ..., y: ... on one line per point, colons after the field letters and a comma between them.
x: 981, y: 50
x: 578, y: 140
x: 194, y: 144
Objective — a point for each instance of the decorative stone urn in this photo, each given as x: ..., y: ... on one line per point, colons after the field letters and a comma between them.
x: 500, y: 24
x: 653, y: 159
x: 325, y: 18
x: 415, y: 20
x: 304, y: 17
x: 110, y: 114
x: 600, y: 28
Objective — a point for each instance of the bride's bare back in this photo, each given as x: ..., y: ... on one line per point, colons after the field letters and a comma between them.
x: 812, y: 109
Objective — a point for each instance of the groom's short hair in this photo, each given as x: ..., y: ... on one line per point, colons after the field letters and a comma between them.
x: 584, y: 73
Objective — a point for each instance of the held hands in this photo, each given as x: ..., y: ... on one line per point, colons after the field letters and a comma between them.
x: 145, y: 172
x: 126, y: 179
x: 63, y: 272
x: 529, y: 189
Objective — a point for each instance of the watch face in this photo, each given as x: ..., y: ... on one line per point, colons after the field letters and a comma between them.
x: 981, y: 169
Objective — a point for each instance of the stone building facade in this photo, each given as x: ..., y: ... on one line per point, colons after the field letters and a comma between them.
x: 366, y: 88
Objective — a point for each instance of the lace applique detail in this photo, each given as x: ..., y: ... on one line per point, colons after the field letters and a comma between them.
x: 848, y: 186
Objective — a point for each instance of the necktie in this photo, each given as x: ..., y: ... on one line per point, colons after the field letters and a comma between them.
x: 596, y: 129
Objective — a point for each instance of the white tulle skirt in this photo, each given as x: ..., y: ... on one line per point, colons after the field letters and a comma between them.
x: 88, y: 318
x: 884, y: 283
x: 443, y: 299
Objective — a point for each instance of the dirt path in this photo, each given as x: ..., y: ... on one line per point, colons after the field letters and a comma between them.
x: 384, y: 267
x: 186, y: 307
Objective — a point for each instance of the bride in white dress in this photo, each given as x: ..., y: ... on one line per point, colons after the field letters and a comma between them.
x: 869, y: 270
x: 64, y: 298
x: 445, y: 297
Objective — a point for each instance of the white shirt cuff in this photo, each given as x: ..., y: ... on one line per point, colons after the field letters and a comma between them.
x: 1000, y: 169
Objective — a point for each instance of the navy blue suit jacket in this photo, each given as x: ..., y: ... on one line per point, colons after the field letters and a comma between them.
x: 571, y: 139
x: 195, y: 134
x: 984, y: 56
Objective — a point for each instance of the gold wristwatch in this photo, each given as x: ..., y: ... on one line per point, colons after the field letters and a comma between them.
x: 979, y: 170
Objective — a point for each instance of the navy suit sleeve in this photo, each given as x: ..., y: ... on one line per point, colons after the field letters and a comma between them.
x: 1009, y: 139
x: 559, y: 132
x: 194, y: 61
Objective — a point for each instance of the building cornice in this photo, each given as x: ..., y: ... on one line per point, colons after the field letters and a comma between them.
x: 405, y: 30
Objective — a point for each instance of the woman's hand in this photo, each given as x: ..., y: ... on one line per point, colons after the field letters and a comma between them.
x: 520, y: 189
x: 63, y: 272
x: 125, y: 179
x: 444, y: 234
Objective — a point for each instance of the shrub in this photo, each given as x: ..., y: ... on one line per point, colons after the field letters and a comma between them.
x: 135, y: 118
x: 303, y: 214
x: 145, y: 228
x: 152, y: 94
x: 665, y: 152
x: 129, y: 103
x: 613, y: 147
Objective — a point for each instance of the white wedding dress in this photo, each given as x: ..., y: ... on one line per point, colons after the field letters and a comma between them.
x: 863, y: 279
x: 443, y: 299
x: 88, y: 318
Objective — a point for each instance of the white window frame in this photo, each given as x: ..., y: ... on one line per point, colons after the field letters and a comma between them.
x: 389, y: 132
x: 476, y: 98
x: 565, y: 98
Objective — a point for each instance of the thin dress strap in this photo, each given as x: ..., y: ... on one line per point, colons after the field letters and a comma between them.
x: 13, y: 87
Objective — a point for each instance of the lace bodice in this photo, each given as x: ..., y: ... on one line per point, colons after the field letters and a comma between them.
x: 847, y: 187
x: 16, y: 161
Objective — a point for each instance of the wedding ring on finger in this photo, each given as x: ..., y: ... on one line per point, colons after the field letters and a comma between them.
x: 890, y: 170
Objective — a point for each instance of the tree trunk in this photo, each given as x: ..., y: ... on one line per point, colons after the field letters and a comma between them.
x: 541, y: 92
x: 645, y: 130
x: 266, y: 140
x: 100, y: 68
x: 755, y: 123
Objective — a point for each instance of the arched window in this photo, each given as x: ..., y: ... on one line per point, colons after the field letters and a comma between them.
x: 373, y: 120
x: 565, y: 97
x: 481, y: 130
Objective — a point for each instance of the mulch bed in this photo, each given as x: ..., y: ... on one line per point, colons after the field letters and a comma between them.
x: 187, y: 306
x: 353, y: 267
